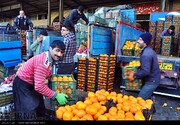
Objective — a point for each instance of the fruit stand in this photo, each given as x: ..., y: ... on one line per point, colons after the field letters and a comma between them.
x: 167, y: 54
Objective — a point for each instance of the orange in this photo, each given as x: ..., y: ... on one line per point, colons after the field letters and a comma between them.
x: 62, y: 109
x: 54, y: 78
x: 125, y: 108
x: 111, y: 118
x: 68, y: 108
x: 97, y: 115
x: 91, y: 109
x: 88, y: 102
x: 88, y: 117
x: 80, y: 113
x: 97, y: 105
x: 59, y: 114
x: 101, y: 97
x: 81, y: 106
x: 75, y: 118
x: 119, y: 100
x: 113, y: 93
x: 67, y: 115
x: 75, y: 111
x: 91, y: 94
x: 102, y: 117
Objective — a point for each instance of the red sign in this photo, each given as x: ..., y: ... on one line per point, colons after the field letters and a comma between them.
x: 147, y: 8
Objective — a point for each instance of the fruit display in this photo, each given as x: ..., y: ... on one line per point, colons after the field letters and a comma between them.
x: 105, y: 105
x: 64, y: 84
x: 128, y: 47
x: 106, y: 72
x: 137, y: 50
x: 81, y: 76
x: 128, y: 70
x: 91, y: 74
x: 134, y: 63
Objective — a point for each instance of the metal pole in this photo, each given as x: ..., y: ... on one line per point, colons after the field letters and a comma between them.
x: 61, y: 11
x: 49, y: 12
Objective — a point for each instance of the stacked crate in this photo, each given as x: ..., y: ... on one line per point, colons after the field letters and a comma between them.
x: 176, y: 41
x: 91, y: 84
x: 87, y: 74
x: 166, y: 45
x: 106, y: 72
x: 81, y: 75
x: 152, y: 30
x: 22, y: 37
x: 159, y: 30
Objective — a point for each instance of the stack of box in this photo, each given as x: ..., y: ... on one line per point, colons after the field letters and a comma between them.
x: 81, y: 75
x: 22, y: 37
x: 106, y: 72
x: 159, y: 30
x: 152, y: 30
x: 91, y: 84
x: 175, y: 48
x: 166, y: 45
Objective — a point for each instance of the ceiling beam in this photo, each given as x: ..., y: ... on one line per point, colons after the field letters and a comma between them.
x: 35, y: 6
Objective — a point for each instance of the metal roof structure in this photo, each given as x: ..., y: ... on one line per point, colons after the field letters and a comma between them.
x: 10, y: 8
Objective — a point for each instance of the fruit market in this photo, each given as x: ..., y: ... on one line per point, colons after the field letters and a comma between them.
x: 97, y: 66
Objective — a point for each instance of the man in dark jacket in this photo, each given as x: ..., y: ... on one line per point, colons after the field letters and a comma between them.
x: 168, y: 32
x: 149, y: 70
x: 22, y: 22
x: 72, y: 19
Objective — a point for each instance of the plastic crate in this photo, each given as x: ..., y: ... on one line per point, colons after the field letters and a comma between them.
x: 126, y: 69
x: 66, y: 87
x: 134, y: 86
x: 6, y: 98
x: 3, y: 72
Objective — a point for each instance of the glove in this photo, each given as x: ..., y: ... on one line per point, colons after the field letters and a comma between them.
x: 62, y: 98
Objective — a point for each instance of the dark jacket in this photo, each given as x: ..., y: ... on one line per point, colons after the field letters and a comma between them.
x: 149, y: 69
x: 22, y: 23
x: 73, y: 18
x: 166, y: 33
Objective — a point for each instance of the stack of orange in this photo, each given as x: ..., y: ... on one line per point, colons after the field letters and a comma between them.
x: 127, y: 107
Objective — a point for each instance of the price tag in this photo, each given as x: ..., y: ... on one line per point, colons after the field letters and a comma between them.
x: 166, y: 66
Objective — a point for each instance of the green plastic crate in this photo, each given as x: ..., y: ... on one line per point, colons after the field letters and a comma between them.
x: 134, y: 86
x: 3, y: 72
x: 127, y: 69
x: 66, y: 87
x: 6, y: 98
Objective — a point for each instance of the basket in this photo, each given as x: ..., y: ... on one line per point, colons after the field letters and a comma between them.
x: 6, y: 98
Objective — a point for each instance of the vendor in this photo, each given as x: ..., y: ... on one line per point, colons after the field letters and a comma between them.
x: 67, y: 64
x: 29, y: 85
x: 168, y: 32
x: 72, y: 19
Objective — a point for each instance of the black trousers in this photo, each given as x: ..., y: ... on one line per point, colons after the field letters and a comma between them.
x: 29, y: 104
x: 66, y: 68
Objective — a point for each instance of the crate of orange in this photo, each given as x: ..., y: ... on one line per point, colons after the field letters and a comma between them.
x: 64, y: 84
x: 128, y: 48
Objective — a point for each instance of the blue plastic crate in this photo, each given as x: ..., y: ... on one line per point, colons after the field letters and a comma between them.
x: 48, y: 40
x: 100, y: 40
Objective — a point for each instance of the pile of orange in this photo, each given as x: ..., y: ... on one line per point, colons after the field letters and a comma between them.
x: 127, y: 107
